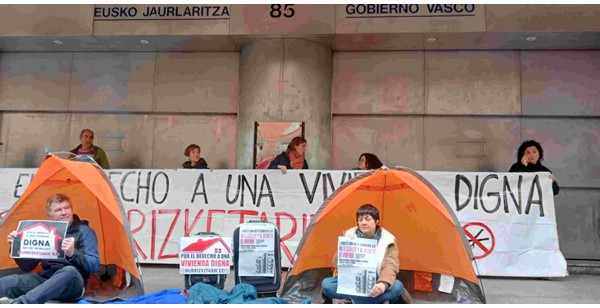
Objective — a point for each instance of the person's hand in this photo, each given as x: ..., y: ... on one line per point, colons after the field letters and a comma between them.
x: 378, y: 289
x: 524, y: 161
x: 68, y: 246
x: 10, y: 237
x: 282, y: 168
x: 552, y: 177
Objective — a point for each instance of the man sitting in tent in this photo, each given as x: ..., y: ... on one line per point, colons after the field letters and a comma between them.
x: 387, y: 287
x: 59, y: 279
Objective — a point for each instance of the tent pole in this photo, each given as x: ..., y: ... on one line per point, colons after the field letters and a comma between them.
x: 137, y: 262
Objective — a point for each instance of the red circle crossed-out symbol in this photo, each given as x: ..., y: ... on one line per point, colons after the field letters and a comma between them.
x: 480, y: 236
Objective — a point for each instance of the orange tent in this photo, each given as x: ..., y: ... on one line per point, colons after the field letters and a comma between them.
x: 93, y: 199
x: 430, y: 238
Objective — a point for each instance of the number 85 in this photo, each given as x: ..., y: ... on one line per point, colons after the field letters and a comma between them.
x: 288, y: 10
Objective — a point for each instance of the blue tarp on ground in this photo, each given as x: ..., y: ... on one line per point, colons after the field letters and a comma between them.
x: 167, y: 296
x: 201, y: 293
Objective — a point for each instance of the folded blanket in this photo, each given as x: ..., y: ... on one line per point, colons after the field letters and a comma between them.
x: 242, y: 293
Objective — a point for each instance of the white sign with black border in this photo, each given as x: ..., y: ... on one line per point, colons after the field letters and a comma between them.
x: 39, y: 239
x: 357, y: 266
x: 257, y: 249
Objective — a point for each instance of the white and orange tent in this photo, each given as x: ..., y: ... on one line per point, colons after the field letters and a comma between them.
x: 93, y: 199
x: 430, y: 238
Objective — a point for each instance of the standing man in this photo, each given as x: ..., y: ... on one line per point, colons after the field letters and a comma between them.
x: 60, y: 279
x: 87, y: 147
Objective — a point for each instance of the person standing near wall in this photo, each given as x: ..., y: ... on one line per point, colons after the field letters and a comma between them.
x: 529, y: 157
x: 293, y: 157
x: 196, y: 161
x: 88, y: 148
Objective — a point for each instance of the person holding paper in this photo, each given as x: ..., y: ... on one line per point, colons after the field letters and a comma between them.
x: 529, y: 159
x: 387, y: 288
x: 60, y: 279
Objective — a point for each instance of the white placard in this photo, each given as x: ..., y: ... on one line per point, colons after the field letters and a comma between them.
x: 39, y: 239
x: 257, y: 250
x: 446, y: 283
x: 204, y: 255
x: 356, y: 265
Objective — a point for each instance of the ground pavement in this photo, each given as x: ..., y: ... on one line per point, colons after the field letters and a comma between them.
x: 579, y: 289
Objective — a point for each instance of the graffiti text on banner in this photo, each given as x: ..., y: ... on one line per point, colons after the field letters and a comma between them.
x: 163, y: 205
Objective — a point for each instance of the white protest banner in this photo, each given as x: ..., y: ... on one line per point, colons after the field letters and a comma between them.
x: 39, y: 239
x: 509, y: 217
x: 509, y: 220
x: 357, y: 266
x: 204, y: 255
x: 257, y: 250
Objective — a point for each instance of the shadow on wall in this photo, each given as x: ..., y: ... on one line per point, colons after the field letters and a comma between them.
x: 489, y: 167
x: 32, y: 158
x: 129, y: 163
x: 221, y: 165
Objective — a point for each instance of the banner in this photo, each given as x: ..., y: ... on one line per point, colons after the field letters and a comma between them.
x: 509, y: 218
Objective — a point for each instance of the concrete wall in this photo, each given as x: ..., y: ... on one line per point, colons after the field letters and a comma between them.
x: 286, y: 80
x: 144, y: 108
x: 424, y: 107
x: 470, y: 111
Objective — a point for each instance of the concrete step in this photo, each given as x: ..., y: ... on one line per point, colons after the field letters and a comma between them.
x: 583, y: 267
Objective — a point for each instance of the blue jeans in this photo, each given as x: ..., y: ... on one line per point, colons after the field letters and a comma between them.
x: 329, y: 286
x: 66, y: 284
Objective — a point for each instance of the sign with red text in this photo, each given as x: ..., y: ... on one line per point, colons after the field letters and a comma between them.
x: 357, y: 266
x: 207, y: 255
x: 257, y: 250
x: 39, y: 239
x: 163, y: 205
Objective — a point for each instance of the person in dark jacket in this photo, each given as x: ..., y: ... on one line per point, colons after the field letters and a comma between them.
x: 196, y: 161
x: 368, y: 161
x: 529, y: 157
x: 292, y: 158
x: 60, y: 279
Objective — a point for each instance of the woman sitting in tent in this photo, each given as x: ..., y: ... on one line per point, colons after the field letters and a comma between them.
x: 387, y: 288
